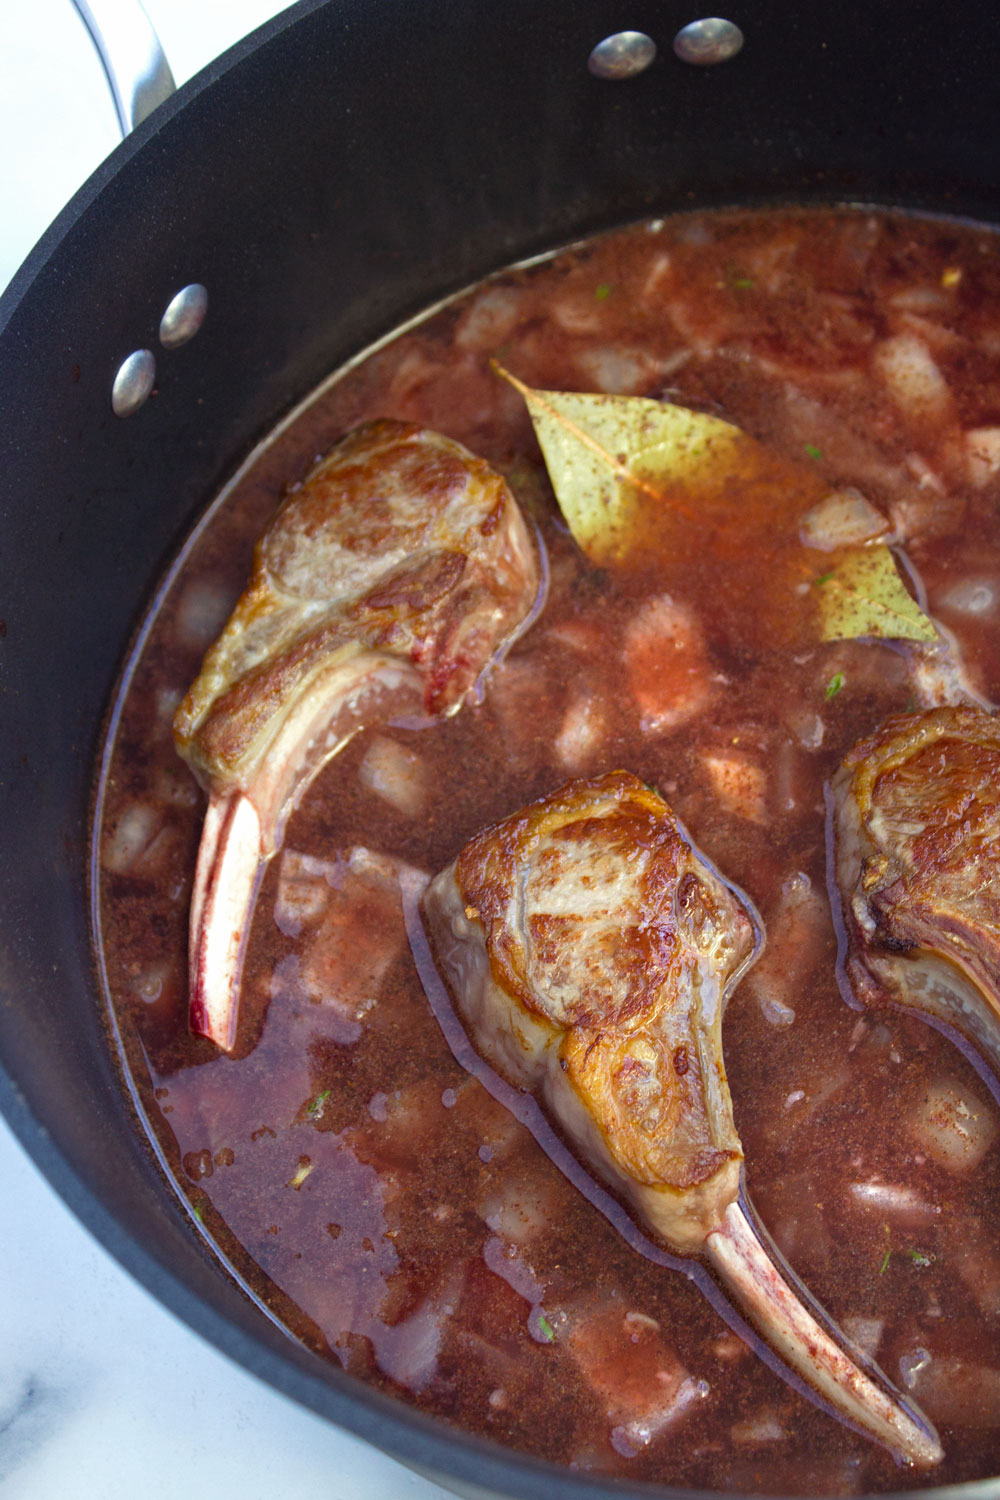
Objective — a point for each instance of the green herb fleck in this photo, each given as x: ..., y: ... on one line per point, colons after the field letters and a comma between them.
x: 545, y: 1328
x: 315, y: 1107
x: 885, y: 1263
x: 823, y: 578
x: 198, y: 1212
x: 737, y: 280
x: 602, y: 292
x: 834, y: 686
x: 813, y: 452
x: 921, y: 1258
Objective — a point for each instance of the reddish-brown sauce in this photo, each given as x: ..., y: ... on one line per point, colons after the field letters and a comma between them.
x: 369, y: 1190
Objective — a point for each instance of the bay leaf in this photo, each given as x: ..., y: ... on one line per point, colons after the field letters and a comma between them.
x: 863, y: 594
x: 609, y: 456
x: 647, y: 486
x: 624, y: 468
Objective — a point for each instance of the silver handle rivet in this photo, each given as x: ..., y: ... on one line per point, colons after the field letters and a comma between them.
x: 133, y: 385
x: 707, y: 42
x: 184, y: 316
x: 623, y: 55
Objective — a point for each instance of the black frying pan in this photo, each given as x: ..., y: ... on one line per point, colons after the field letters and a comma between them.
x: 349, y: 163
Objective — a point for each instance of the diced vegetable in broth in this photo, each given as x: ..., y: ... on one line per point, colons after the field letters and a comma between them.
x: 666, y: 665
x: 764, y: 1427
x: 959, y: 1392
x: 739, y: 784
x: 361, y: 1181
x: 634, y: 1374
x: 953, y: 1126
x: 393, y: 772
x: 913, y: 379
x: 132, y: 838
x: 843, y: 519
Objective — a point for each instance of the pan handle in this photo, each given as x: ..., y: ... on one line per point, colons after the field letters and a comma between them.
x: 138, y: 73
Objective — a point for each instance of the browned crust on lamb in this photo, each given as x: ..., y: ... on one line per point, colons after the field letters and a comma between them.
x: 400, y: 542
x: 487, y: 870
x: 919, y: 843
x: 620, y: 981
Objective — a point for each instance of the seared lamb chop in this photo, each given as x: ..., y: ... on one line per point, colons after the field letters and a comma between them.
x: 918, y: 864
x: 590, y: 950
x: 383, y: 587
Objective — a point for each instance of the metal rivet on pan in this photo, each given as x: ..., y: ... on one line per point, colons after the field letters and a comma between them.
x: 709, y: 41
x: 184, y: 316
x: 133, y: 383
x: 623, y: 55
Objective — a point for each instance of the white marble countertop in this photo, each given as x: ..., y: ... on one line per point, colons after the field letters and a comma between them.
x: 91, y: 1365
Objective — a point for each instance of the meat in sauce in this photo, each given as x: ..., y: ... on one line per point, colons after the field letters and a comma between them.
x: 361, y: 1182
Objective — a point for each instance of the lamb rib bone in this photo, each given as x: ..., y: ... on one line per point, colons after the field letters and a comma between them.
x: 382, y: 589
x: 917, y: 846
x: 590, y: 951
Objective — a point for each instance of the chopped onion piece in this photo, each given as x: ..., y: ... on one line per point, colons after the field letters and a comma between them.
x: 657, y: 277
x: 489, y: 318
x: 926, y: 477
x: 167, y: 701
x: 304, y: 886
x: 617, y: 372
x: 149, y: 984
x: 202, y: 610
x: 397, y: 775
x: 580, y: 735
x: 578, y: 312
x: 914, y: 380
x: 740, y: 784
x: 302, y: 1171
x: 911, y: 1366
x: 865, y: 1333
x: 979, y: 1267
x: 955, y: 1392
x: 505, y: 1262
x: 953, y: 1128
x: 970, y: 596
x: 408, y: 1351
x: 640, y: 1320
x: 133, y: 833
x: 843, y: 519
x: 519, y: 1207
x: 983, y: 454
x: 797, y: 924
x: 763, y: 1427
x: 635, y: 1375
x: 774, y: 1011
x: 666, y: 664
x: 807, y: 727
x: 890, y: 1201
